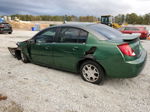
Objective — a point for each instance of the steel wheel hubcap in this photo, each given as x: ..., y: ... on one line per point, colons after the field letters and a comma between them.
x: 90, y: 73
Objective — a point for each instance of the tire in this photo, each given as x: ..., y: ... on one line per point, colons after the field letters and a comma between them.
x: 9, y: 32
x: 92, y: 72
x: 24, y: 58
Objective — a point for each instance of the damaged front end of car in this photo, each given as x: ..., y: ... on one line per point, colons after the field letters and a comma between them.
x: 15, y: 51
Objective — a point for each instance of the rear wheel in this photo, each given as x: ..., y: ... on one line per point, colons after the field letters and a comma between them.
x: 9, y: 32
x: 92, y: 72
x: 24, y: 58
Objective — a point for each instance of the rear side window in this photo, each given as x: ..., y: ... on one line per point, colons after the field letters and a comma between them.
x: 106, y: 31
x: 82, y: 36
x: 72, y: 35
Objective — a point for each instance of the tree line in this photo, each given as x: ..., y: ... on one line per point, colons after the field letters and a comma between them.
x: 55, y: 18
x: 132, y: 18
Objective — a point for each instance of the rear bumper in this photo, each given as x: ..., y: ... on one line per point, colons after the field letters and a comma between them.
x: 126, y: 69
x: 136, y: 66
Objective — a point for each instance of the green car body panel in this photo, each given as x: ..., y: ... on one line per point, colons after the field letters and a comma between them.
x: 68, y: 56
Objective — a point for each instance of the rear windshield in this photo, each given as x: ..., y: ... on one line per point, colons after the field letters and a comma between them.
x: 108, y: 32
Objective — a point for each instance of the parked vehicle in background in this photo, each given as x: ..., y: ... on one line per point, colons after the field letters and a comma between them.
x: 5, y: 28
x: 109, y: 20
x: 93, y: 50
x: 130, y: 30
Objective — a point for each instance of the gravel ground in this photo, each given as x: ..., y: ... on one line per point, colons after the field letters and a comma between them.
x: 32, y: 88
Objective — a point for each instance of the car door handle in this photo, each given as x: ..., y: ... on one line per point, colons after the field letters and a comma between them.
x: 75, y: 48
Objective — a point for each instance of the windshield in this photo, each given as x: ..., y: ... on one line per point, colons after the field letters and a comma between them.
x: 108, y: 32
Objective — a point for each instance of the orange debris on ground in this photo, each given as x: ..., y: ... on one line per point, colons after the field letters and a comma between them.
x: 2, y: 97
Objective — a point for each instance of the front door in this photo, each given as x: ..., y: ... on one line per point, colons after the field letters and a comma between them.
x: 41, y: 51
x: 69, y: 47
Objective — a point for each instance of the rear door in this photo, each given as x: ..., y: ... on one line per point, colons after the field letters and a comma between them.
x: 41, y: 50
x: 69, y: 47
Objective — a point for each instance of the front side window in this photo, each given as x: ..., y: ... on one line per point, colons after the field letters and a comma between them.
x: 72, y: 35
x: 46, y: 36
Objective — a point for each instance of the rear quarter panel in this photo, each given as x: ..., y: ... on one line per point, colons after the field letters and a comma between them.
x: 107, y: 54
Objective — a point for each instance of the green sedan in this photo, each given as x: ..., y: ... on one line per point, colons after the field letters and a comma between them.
x: 93, y: 50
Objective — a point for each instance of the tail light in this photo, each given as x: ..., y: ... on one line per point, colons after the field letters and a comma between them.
x: 126, y: 49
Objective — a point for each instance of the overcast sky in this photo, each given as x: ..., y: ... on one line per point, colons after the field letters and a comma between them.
x: 74, y: 7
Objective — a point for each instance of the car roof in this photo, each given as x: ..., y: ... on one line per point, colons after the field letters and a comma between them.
x: 83, y: 26
x: 80, y: 25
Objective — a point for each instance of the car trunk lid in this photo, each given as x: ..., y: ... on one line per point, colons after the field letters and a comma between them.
x: 133, y: 41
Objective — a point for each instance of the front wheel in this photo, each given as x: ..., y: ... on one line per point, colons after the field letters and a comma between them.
x: 24, y: 58
x: 92, y: 72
